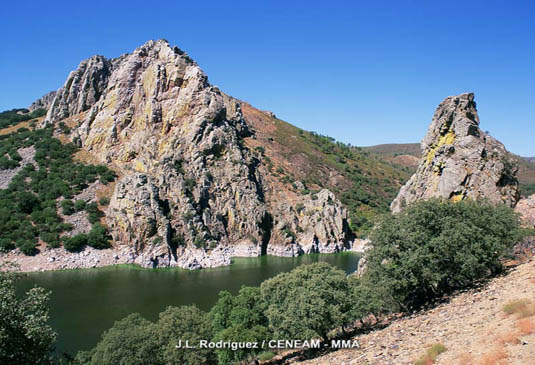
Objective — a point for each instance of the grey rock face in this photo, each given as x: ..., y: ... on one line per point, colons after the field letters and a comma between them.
x: 190, y: 193
x: 83, y: 89
x: 43, y: 102
x: 460, y: 161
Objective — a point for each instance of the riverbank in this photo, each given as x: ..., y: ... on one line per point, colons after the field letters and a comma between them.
x: 86, y: 302
x: 52, y: 259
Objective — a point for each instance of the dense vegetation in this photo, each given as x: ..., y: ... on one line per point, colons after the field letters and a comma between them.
x: 28, y: 206
x: 25, y: 337
x: 14, y: 116
x: 425, y: 252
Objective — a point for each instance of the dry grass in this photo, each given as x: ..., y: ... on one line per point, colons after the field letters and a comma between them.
x: 522, y: 308
x: 526, y: 326
x: 509, y: 338
x: 431, y: 354
x: 496, y: 357
x: 15, y: 127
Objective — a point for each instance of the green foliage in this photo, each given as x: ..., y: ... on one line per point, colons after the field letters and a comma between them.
x: 25, y: 337
x: 435, y: 246
x: 67, y: 207
x: 75, y: 243
x: 307, y: 302
x: 28, y: 205
x: 12, y: 117
x: 104, y: 201
x: 527, y: 189
x: 98, y: 237
x: 240, y: 318
x: 184, y: 323
x: 79, y: 205
x: 134, y: 340
x: 131, y: 340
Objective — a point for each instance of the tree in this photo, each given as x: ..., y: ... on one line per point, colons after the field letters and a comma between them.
x: 25, y: 337
x: 240, y: 318
x: 131, y: 341
x: 184, y: 323
x: 433, y: 247
x: 307, y: 302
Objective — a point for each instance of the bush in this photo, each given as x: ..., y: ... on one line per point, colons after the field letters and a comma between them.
x: 134, y: 340
x: 104, y: 201
x: 240, y: 318
x: 67, y: 207
x: 94, y: 213
x: 27, y: 247
x: 307, y: 302
x: 436, y: 246
x: 75, y: 243
x: 98, y: 237
x: 51, y: 239
x: 79, y: 205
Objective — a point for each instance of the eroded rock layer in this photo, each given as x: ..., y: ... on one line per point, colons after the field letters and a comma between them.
x: 190, y: 192
x: 460, y: 161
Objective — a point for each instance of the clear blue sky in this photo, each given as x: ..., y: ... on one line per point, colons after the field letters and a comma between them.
x: 364, y: 72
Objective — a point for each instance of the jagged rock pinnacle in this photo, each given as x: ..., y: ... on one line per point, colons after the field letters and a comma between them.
x: 460, y: 161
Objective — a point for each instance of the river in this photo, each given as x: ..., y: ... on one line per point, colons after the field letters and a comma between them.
x: 84, y: 303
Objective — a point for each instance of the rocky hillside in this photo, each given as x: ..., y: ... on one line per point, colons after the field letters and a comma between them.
x: 203, y: 176
x: 460, y: 161
x: 487, y: 326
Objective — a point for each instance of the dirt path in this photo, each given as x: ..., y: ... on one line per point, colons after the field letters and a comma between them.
x: 472, y: 326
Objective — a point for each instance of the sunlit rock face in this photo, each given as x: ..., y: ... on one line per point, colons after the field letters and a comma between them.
x: 190, y: 193
x: 460, y: 161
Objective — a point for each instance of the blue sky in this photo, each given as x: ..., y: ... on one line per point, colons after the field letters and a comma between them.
x: 364, y: 72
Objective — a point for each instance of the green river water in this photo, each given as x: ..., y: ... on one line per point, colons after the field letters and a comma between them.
x: 85, y: 303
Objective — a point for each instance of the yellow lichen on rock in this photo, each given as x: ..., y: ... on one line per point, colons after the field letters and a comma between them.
x: 457, y: 197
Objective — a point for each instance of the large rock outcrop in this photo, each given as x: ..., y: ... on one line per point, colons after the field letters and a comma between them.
x: 83, y: 88
x: 190, y: 192
x: 44, y: 102
x: 460, y: 161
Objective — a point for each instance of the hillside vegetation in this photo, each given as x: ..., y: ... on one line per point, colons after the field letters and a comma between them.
x: 40, y: 185
x: 364, y: 182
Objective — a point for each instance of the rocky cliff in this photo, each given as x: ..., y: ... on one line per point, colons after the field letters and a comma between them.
x: 460, y: 161
x: 44, y: 102
x: 190, y: 191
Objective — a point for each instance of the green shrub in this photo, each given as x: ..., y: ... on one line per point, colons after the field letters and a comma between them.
x: 104, y: 201
x: 67, y: 207
x: 79, y: 205
x: 75, y: 243
x: 27, y: 247
x: 6, y: 245
x: 240, y: 318
x: 98, y: 237
x: 307, y: 302
x: 436, y: 246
